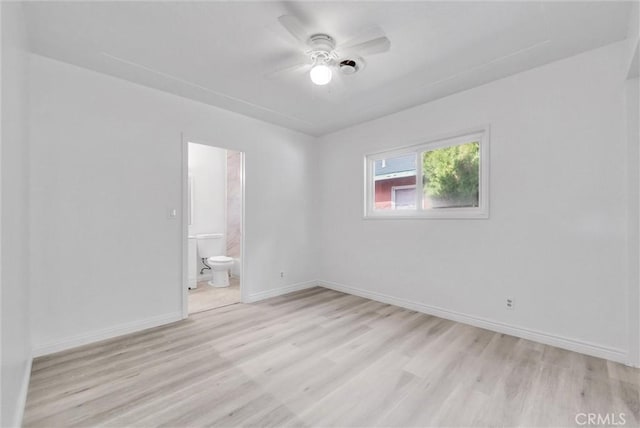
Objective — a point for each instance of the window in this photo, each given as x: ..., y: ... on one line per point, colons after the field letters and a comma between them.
x: 452, y: 172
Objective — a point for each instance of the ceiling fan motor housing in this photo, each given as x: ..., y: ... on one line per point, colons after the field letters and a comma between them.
x: 322, y: 42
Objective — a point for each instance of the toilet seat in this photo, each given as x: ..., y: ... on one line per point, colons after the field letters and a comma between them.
x: 219, y: 259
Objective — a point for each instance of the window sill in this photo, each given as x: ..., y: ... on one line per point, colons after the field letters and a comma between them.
x: 441, y: 215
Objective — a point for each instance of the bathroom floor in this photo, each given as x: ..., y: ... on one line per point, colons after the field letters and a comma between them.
x: 206, y: 297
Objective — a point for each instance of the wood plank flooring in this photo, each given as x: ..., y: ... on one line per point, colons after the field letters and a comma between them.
x: 206, y: 297
x: 322, y: 358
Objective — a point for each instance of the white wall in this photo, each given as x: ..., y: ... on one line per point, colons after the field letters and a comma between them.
x: 556, y: 239
x: 208, y: 169
x: 633, y: 140
x: 207, y: 166
x: 14, y: 232
x: 633, y: 41
x: 106, y: 169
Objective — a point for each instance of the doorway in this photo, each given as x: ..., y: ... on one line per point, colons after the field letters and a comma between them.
x: 213, y: 227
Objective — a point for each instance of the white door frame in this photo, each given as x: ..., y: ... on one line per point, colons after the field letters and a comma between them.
x: 244, y: 284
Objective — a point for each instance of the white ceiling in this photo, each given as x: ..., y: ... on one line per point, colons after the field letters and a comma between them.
x: 218, y: 52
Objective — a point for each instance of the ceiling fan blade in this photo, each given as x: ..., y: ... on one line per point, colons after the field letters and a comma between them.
x: 280, y: 72
x: 370, y: 47
x: 294, y: 27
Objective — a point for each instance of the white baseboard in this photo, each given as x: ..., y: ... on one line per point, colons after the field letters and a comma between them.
x: 106, y: 333
x: 280, y: 291
x: 22, y: 395
x: 575, y: 345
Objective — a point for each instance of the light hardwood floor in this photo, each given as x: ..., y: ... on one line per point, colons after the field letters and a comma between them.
x: 322, y: 358
x: 206, y: 297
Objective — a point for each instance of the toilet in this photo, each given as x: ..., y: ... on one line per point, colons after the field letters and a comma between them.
x: 211, y: 248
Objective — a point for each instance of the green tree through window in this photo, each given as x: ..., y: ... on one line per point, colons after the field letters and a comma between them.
x: 451, y: 175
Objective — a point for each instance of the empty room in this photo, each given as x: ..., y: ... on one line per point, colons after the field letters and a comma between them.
x: 319, y: 214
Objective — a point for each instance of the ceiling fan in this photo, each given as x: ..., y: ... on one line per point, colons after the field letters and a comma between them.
x: 324, y: 55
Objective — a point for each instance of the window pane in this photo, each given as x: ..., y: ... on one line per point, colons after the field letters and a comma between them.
x: 393, y: 179
x: 451, y: 176
x: 404, y: 197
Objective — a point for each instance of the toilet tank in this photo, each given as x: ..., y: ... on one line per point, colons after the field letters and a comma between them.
x: 210, y: 244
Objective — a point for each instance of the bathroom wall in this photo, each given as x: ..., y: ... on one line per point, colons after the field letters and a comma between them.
x: 207, y: 167
x: 14, y: 231
x: 234, y: 207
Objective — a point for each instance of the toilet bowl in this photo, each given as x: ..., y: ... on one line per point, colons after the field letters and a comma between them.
x: 220, y: 266
x: 211, y: 246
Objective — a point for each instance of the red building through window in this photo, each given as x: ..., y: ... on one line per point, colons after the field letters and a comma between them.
x: 396, y: 193
x: 395, y: 183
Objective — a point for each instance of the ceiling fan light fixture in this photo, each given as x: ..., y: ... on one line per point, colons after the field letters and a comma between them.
x: 320, y: 74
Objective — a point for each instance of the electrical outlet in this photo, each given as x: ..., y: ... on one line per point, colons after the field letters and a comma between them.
x: 510, y: 304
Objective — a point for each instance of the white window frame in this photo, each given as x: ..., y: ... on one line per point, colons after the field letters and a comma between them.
x: 479, y: 134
